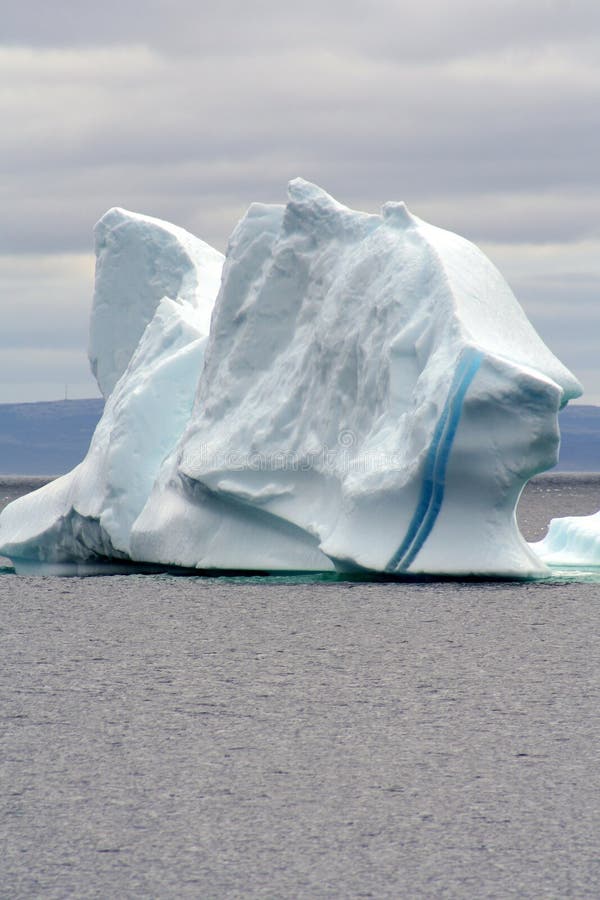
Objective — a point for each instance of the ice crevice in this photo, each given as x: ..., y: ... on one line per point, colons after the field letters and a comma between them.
x: 432, y: 489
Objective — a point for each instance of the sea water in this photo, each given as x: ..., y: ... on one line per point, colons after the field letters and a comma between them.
x: 176, y: 737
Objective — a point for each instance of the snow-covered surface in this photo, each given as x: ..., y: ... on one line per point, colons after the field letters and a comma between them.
x: 371, y: 396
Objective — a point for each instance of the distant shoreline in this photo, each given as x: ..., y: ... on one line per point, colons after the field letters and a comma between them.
x: 50, y: 437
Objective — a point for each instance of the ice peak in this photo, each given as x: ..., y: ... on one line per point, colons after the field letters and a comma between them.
x: 140, y: 260
x: 397, y: 214
x: 309, y: 200
x: 312, y: 210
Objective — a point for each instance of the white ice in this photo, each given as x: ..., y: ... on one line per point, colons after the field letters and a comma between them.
x: 371, y: 397
x: 571, y: 541
x: 89, y: 512
x: 140, y: 260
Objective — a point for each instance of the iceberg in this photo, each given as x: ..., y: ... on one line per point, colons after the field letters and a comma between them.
x: 343, y: 392
x: 572, y: 541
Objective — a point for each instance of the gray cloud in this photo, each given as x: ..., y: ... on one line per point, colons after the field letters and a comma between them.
x: 43, y: 340
x: 45, y: 376
x: 44, y: 291
x: 91, y: 128
x: 429, y: 29
x: 483, y: 117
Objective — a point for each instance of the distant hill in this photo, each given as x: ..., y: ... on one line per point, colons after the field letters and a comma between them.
x: 46, y: 438
x: 50, y: 438
x: 580, y: 439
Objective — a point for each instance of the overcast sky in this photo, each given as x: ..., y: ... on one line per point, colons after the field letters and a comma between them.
x: 483, y: 116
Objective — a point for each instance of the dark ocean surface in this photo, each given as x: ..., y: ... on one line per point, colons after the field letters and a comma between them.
x: 177, y: 737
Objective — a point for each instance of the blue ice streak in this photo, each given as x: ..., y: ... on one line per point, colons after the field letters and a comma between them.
x: 434, y: 478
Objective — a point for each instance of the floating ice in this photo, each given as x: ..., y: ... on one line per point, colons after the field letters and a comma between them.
x: 371, y: 397
x: 571, y: 541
